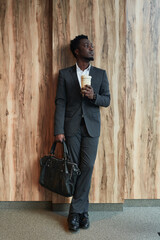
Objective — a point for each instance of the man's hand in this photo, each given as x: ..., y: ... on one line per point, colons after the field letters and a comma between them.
x: 59, y: 138
x: 87, y: 91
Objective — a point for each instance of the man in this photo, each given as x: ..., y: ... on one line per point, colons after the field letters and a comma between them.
x: 77, y: 121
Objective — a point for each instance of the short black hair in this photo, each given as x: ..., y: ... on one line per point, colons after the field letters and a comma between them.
x: 75, y: 42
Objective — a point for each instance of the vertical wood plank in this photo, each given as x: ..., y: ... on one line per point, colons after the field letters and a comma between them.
x: 27, y: 96
x: 104, y: 23
x: 143, y: 100
x: 108, y: 179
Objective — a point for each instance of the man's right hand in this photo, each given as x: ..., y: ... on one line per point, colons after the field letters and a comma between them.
x: 59, y: 138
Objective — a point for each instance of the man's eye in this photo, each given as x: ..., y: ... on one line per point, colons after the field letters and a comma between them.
x: 88, y: 46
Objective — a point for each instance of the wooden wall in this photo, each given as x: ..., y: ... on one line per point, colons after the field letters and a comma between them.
x: 34, y: 45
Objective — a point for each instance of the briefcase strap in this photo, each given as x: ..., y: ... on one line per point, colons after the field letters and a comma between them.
x: 65, y: 150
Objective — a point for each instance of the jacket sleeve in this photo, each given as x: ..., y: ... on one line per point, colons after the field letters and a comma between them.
x: 60, y: 106
x: 103, y: 97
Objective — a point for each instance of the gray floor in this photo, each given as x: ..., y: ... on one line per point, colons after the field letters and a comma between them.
x: 138, y: 223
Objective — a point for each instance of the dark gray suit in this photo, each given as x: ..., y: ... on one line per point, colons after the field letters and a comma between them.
x: 78, y: 118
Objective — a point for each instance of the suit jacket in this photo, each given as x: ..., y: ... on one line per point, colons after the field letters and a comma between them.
x: 71, y: 106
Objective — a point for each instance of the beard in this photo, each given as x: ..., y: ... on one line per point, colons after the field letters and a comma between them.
x: 89, y: 59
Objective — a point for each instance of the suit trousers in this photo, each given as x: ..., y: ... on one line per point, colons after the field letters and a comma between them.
x: 82, y: 149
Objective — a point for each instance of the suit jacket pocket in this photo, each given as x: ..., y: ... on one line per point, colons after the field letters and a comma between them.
x: 96, y: 116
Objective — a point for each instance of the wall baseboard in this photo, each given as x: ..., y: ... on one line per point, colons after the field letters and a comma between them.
x: 26, y: 205
x: 141, y: 203
x: 92, y: 206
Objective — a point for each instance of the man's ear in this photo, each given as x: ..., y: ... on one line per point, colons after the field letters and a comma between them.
x: 77, y: 52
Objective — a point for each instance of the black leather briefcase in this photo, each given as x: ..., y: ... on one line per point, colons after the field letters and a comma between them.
x: 59, y: 175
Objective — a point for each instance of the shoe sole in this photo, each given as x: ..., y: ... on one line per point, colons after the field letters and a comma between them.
x: 73, y: 230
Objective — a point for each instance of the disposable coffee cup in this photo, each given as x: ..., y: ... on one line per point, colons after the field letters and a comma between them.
x: 85, y: 80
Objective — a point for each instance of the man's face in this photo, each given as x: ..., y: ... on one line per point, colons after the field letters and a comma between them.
x: 85, y: 50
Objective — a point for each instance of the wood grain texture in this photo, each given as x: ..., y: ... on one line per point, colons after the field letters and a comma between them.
x: 108, y: 179
x: 142, y: 100
x: 26, y: 122
x: 34, y: 45
x: 29, y: 31
x: 104, y: 23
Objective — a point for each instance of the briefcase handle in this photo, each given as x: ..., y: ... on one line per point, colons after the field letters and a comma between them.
x: 65, y: 150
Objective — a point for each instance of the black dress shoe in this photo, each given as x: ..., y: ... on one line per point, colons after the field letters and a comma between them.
x: 73, y: 221
x: 84, y: 220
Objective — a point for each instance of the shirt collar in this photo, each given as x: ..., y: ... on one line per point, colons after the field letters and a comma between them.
x: 79, y: 70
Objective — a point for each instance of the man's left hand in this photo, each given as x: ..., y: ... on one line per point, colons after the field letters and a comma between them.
x: 88, y: 91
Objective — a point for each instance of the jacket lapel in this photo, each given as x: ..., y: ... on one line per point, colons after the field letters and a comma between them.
x: 75, y: 81
x: 92, y: 74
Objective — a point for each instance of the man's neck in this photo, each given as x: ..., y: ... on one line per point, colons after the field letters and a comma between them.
x: 82, y: 65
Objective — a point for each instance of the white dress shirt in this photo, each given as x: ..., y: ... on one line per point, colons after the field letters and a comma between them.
x: 81, y: 72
